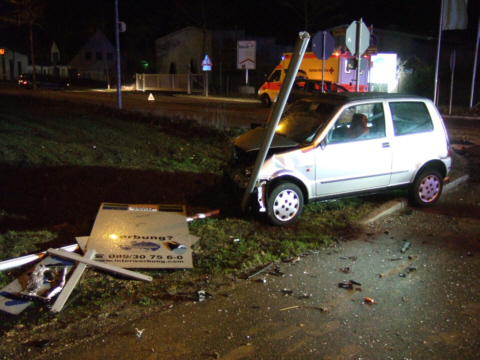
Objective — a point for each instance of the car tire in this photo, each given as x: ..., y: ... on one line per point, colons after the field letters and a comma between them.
x: 285, y: 204
x: 266, y: 102
x: 427, y: 188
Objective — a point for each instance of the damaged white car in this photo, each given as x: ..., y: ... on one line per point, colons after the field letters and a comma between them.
x: 336, y: 145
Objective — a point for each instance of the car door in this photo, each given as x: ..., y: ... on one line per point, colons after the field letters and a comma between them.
x: 355, y: 154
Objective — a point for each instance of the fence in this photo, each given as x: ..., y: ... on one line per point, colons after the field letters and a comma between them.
x: 170, y: 82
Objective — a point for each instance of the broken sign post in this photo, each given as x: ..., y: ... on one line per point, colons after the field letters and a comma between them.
x: 72, y: 282
x: 278, y: 107
x: 97, y: 264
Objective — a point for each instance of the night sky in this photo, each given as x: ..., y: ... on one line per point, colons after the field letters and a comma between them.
x: 70, y: 23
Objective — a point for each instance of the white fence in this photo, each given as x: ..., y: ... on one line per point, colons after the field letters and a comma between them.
x: 169, y: 82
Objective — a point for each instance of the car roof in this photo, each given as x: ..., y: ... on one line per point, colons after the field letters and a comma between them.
x: 345, y: 97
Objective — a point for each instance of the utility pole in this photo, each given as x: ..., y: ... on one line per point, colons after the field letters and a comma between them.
x: 119, y: 74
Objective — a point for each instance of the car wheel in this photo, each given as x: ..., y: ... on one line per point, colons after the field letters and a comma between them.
x: 285, y: 204
x: 427, y: 188
x: 266, y: 102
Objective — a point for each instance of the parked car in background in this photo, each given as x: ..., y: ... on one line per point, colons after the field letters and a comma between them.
x: 343, y: 144
x: 305, y: 87
x: 43, y: 82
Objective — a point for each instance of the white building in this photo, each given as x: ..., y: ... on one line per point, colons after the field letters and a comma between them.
x: 12, y: 64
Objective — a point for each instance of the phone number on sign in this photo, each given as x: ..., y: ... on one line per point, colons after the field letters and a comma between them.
x: 145, y: 257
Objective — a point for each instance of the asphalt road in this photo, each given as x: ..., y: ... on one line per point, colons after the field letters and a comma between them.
x: 426, y: 302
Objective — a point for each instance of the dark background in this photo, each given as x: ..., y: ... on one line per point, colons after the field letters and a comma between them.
x: 70, y: 23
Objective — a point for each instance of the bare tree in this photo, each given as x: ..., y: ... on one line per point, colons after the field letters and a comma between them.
x: 27, y: 12
x: 318, y: 14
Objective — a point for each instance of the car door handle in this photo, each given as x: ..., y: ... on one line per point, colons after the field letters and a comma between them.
x: 385, y: 145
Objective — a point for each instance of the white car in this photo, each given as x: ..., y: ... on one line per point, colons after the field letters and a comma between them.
x: 336, y: 145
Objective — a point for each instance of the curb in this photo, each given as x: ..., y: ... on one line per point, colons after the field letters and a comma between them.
x: 397, y: 205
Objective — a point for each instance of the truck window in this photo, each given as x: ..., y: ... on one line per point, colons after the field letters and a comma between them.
x: 275, y: 76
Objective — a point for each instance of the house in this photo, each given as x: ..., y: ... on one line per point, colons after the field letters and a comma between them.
x: 12, y: 64
x: 56, y: 64
x: 183, y: 51
x: 96, y: 60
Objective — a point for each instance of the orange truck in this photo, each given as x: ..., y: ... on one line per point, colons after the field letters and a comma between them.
x: 338, y: 69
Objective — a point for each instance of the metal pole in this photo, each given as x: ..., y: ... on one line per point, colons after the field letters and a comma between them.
x: 323, y: 61
x: 279, y: 105
x: 438, y: 54
x: 475, y: 64
x: 357, y: 47
x: 119, y: 74
x: 452, y: 65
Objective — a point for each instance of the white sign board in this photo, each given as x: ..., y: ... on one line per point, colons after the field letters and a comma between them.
x: 142, y: 236
x: 246, y: 54
x: 384, y: 68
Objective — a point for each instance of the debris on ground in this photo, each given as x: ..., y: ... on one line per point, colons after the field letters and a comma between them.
x: 293, y: 260
x: 396, y: 259
x: 349, y: 284
x: 201, y: 216
x: 202, y: 295
x: 405, y: 247
x: 353, y: 258
x: 276, y: 272
x: 260, y: 271
x: 139, y: 333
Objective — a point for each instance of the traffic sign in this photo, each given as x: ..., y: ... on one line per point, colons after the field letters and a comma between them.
x: 351, y: 38
x: 246, y: 54
x: 207, y: 64
x: 323, y: 48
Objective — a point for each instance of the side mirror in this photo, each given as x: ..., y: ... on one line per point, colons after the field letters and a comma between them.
x: 323, y: 143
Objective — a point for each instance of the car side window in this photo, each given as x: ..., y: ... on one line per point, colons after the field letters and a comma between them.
x: 359, y: 122
x: 410, y: 118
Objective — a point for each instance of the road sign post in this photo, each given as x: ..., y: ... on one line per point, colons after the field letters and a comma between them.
x: 357, y: 41
x: 322, y: 45
x: 206, y: 67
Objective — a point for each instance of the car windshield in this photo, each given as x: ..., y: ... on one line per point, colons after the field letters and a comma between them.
x: 303, y: 119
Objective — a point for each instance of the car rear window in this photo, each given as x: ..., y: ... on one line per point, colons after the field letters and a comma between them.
x: 410, y: 118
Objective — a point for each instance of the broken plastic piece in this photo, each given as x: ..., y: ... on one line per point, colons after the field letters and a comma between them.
x: 202, y: 295
x: 406, y: 246
x: 139, y: 333
x: 349, y: 284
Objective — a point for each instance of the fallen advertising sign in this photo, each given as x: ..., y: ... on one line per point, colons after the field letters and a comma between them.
x: 142, y: 236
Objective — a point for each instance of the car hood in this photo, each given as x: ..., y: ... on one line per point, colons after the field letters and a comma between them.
x: 253, y: 140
